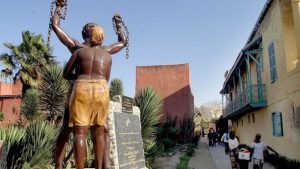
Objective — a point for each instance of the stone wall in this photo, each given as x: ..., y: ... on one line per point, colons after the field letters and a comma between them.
x: 173, y: 84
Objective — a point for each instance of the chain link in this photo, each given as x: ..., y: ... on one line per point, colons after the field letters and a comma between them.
x: 51, y: 15
x: 127, y: 35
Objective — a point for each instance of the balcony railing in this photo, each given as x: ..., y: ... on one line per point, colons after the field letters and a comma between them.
x: 254, y: 96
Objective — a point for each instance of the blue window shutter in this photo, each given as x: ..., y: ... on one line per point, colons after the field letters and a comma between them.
x: 277, y: 124
x: 273, y: 71
x: 273, y: 123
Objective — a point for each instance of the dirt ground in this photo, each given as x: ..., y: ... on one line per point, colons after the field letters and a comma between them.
x: 167, y: 162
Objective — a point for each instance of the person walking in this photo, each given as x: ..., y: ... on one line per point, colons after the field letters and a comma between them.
x: 215, y: 138
x: 210, y: 137
x: 233, y: 144
x: 258, y: 148
x: 224, y: 139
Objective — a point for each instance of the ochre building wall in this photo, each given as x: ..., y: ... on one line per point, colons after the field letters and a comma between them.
x: 284, y: 94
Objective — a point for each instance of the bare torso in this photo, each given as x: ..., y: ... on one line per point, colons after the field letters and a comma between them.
x: 90, y: 63
x: 93, y: 63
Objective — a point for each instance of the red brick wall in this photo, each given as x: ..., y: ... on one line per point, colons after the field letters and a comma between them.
x: 10, y: 101
x: 172, y: 82
x: 11, y: 109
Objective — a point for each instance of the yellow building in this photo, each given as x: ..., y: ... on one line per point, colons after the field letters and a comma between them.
x: 261, y: 93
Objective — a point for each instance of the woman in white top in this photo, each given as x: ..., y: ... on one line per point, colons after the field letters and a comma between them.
x: 258, y: 148
x: 233, y: 144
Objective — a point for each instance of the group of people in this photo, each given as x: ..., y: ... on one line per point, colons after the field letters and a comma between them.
x: 212, y: 137
x: 231, y: 143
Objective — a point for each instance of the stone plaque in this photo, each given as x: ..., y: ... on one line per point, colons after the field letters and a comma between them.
x: 129, y: 141
x: 127, y: 104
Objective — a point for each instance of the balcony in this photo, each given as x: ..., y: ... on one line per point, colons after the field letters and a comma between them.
x: 253, y: 97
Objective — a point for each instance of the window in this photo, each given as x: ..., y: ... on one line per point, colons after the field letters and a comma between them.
x: 273, y: 71
x: 253, y: 118
x: 277, y: 124
x: 249, y: 119
x: 237, y: 123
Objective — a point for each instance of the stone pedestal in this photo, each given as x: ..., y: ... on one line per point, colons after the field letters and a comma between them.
x: 126, y: 144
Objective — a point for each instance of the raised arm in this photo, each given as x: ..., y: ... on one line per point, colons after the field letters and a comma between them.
x: 122, y: 40
x: 70, y: 66
x: 69, y: 42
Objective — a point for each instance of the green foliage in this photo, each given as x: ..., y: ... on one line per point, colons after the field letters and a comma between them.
x: 30, y: 147
x: 53, y: 91
x: 183, y: 163
x: 30, y: 105
x: 1, y: 115
x: 190, y: 149
x: 115, y: 88
x: 214, y: 120
x: 150, y: 105
x: 187, y: 128
x: 13, y: 138
x: 203, y: 124
x: 167, y: 134
x: 40, y: 143
x: 25, y: 60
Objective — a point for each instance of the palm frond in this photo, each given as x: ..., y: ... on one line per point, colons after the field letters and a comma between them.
x: 150, y: 105
x: 40, y: 141
x: 27, y: 59
x: 7, y: 60
x: 53, y: 89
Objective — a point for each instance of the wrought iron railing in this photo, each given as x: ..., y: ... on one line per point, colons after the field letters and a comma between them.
x: 253, y: 96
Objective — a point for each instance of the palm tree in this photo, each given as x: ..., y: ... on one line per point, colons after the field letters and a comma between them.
x: 25, y: 60
x: 53, y: 92
x: 151, y: 106
x: 115, y: 88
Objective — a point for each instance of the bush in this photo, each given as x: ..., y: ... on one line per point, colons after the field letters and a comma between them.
x: 167, y: 134
x: 30, y: 147
x: 282, y: 162
x: 183, y: 163
x: 13, y: 138
x: 190, y: 149
x: 187, y: 128
x: 53, y: 93
x: 150, y: 105
x: 30, y: 105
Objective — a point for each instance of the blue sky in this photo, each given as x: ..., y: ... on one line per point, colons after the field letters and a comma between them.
x: 206, y: 34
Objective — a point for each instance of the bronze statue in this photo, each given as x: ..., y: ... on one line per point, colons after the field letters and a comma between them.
x: 89, y: 101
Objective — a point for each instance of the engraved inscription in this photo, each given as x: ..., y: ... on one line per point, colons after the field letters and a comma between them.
x: 127, y: 104
x: 129, y: 141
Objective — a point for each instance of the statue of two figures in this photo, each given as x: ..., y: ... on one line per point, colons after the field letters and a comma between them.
x: 88, y: 98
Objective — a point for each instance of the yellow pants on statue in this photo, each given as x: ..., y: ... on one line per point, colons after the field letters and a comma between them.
x: 89, y: 103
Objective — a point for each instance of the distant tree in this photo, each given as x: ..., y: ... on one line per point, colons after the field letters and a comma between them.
x: 213, y: 107
x: 25, y: 60
x: 115, y: 88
